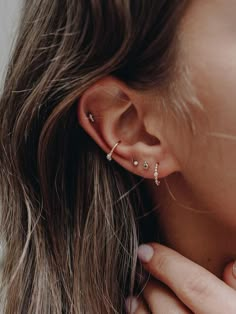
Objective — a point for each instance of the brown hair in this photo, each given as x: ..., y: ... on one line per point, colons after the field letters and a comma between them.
x: 69, y: 218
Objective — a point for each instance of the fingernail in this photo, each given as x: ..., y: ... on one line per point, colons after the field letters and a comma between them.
x: 145, y: 253
x: 131, y: 305
x: 234, y: 269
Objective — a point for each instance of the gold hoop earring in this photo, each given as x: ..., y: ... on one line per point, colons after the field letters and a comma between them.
x: 111, y: 152
x: 156, y: 174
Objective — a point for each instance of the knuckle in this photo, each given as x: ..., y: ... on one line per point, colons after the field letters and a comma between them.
x: 196, y: 286
x: 160, y: 263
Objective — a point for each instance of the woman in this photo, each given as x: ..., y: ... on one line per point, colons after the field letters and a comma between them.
x: 150, y: 86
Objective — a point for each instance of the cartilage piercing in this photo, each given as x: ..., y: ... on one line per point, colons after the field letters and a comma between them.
x: 156, y: 174
x: 109, y: 155
x: 91, y: 117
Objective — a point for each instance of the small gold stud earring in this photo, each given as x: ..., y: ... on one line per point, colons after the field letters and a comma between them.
x: 135, y: 163
x: 145, y: 165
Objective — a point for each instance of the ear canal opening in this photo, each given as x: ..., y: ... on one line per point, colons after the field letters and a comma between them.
x: 133, y: 128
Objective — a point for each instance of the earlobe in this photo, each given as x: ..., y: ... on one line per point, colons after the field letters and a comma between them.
x: 114, y: 117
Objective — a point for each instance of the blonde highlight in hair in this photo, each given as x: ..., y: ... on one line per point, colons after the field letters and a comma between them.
x: 69, y: 219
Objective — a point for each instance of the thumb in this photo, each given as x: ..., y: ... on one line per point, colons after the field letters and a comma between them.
x: 229, y: 275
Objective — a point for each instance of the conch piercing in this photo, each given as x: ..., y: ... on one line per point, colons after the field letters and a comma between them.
x: 91, y: 117
x: 156, y: 174
x: 111, y: 152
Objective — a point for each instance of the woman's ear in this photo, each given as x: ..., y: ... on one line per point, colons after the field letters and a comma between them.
x: 110, y: 112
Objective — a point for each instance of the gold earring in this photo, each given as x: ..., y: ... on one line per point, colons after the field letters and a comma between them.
x: 135, y: 163
x: 156, y: 174
x: 111, y: 152
x: 91, y: 117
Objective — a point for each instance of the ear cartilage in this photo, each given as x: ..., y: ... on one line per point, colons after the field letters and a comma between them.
x: 109, y: 155
x: 156, y: 174
x: 91, y: 117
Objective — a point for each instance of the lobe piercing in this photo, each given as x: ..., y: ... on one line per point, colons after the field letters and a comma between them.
x: 135, y: 163
x: 145, y: 165
x: 111, y: 152
x: 156, y: 174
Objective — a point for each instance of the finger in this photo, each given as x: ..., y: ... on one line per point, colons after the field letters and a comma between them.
x: 136, y: 305
x: 161, y: 300
x: 229, y: 275
x: 197, y: 288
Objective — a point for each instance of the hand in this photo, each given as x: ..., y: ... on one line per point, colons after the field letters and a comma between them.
x: 182, y: 286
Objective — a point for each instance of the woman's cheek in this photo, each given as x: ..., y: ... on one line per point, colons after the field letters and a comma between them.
x: 212, y: 163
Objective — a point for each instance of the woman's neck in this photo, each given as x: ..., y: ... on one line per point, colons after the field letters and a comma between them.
x: 190, y: 230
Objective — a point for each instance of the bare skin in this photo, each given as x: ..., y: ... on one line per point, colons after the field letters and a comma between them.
x: 196, y: 199
x: 198, y: 218
x: 201, y: 222
x: 180, y: 286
